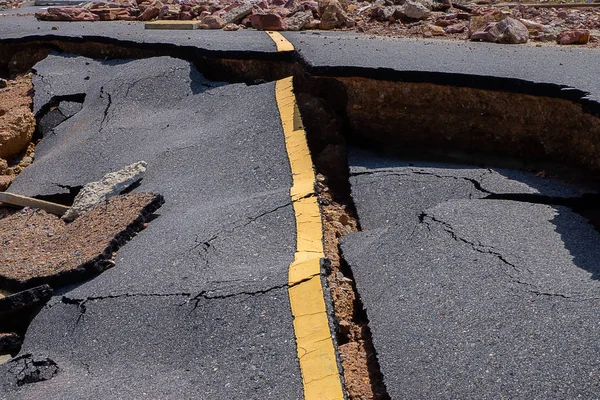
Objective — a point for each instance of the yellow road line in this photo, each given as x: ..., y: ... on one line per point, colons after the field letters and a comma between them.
x: 282, y: 43
x: 318, y: 363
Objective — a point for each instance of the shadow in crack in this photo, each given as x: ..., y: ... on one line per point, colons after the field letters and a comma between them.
x: 581, y: 239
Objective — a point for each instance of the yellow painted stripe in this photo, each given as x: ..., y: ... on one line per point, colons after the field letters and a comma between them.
x: 282, y: 43
x: 318, y: 363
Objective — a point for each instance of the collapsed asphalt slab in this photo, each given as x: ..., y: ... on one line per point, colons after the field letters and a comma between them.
x: 469, y: 297
x: 548, y: 71
x: 197, y: 304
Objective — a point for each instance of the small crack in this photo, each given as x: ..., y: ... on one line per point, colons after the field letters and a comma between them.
x: 206, y: 245
x: 476, y: 184
x: 205, y: 294
x: 479, y: 247
x: 105, y: 117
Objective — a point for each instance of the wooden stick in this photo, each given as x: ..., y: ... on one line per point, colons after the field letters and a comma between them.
x: 23, y: 201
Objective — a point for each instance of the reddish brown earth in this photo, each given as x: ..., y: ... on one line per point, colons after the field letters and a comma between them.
x: 17, y: 125
x: 362, y: 378
x: 37, y: 247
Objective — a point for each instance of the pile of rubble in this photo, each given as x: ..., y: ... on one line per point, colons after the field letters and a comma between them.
x: 428, y: 18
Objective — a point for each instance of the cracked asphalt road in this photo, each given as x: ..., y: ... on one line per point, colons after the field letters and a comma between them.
x: 473, y: 297
x: 197, y: 304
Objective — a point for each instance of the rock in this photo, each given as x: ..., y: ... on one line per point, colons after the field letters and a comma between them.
x: 299, y: 21
x: 414, y: 10
x: 332, y: 15
x: 385, y: 14
x: 110, y: 185
x: 236, y: 14
x: 212, y: 22
x: 548, y: 36
x: 536, y: 26
x: 67, y: 14
x: 509, y: 31
x: 149, y: 13
x: 435, y: 30
x: 5, y: 181
x: 427, y: 3
x: 267, y: 22
x: 3, y: 166
x: 444, y: 22
x: 575, y: 36
x: 107, y: 14
x: 562, y: 14
x: 17, y: 131
x: 458, y: 28
x: 478, y: 23
x: 314, y: 24
x: 440, y: 5
x: 231, y: 27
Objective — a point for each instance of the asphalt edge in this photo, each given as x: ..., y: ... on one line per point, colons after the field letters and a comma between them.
x: 321, y: 376
x: 590, y: 104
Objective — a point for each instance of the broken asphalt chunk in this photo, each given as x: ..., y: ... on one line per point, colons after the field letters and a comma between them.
x: 25, y: 299
x: 110, y: 185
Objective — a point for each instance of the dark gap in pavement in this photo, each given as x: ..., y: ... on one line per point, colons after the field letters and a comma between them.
x: 62, y: 198
x: 50, y: 115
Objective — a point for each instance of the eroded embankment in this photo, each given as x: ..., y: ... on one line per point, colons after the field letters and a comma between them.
x: 391, y: 114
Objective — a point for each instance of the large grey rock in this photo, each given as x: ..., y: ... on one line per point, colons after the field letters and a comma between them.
x: 507, y: 31
x: 414, y: 10
x: 110, y: 185
x: 298, y: 21
x: 236, y: 14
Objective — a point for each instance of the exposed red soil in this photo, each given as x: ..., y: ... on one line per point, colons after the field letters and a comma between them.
x: 357, y: 356
x: 17, y: 125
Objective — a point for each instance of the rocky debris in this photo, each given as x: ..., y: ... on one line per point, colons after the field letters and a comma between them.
x: 17, y: 302
x: 576, y: 36
x: 267, y: 22
x: 110, y: 185
x: 39, y: 248
x: 67, y: 14
x: 406, y: 18
x: 26, y: 369
x: 506, y: 31
x: 10, y: 342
